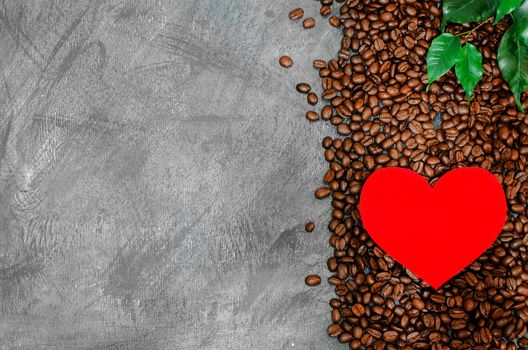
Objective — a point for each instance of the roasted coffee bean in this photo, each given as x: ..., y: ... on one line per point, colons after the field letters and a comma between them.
x: 379, y: 44
x: 325, y: 11
x: 309, y: 227
x: 418, y: 303
x: 312, y: 116
x: 390, y: 336
x: 312, y: 98
x: 322, y: 192
x: 413, y: 337
x: 332, y: 264
x: 343, y: 129
x: 358, y: 310
x: 312, y: 280
x: 409, y: 42
x: 334, y: 21
x: 303, y: 88
x: 400, y: 52
x: 334, y: 330
x: 309, y: 23
x: 458, y: 324
x: 285, y: 61
x: 296, y: 14
x: 359, y: 79
x: 326, y: 113
x: 469, y: 304
x: 319, y: 64
x: 435, y: 337
x: 386, y: 16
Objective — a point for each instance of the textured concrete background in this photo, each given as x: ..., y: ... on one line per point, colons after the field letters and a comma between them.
x: 156, y: 173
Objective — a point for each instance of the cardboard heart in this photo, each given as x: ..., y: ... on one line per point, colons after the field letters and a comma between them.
x: 435, y: 232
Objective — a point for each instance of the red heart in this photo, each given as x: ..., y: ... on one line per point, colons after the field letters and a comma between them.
x: 433, y: 231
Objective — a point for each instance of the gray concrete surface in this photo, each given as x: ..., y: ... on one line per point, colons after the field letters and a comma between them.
x: 156, y: 173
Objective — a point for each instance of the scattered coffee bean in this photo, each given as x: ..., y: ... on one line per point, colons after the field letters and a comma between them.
x: 334, y: 21
x: 312, y: 280
x: 285, y: 61
x: 303, y: 88
x: 319, y: 64
x: 312, y: 116
x: 309, y: 23
x: 296, y: 14
x: 325, y: 11
x: 334, y: 330
x: 312, y: 98
x: 309, y: 227
x: 322, y: 192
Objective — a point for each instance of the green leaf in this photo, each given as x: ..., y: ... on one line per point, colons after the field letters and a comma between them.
x: 520, y: 17
x: 442, y: 55
x: 464, y: 11
x: 469, y: 68
x: 513, y: 61
x: 506, y: 7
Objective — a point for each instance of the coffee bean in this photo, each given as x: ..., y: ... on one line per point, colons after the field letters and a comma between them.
x: 458, y: 324
x: 296, y: 14
x: 359, y: 79
x: 379, y: 44
x: 420, y: 51
x: 418, y: 303
x: 523, y: 290
x: 435, y: 337
x: 382, y: 158
x: 374, y: 332
x: 312, y: 116
x: 326, y: 113
x: 413, y: 337
x: 358, y: 310
x: 334, y: 330
x: 428, y: 320
x: 503, y: 133
x: 457, y: 313
x: 386, y: 16
x: 469, y: 304
x: 319, y: 64
x: 411, y: 10
x: 312, y: 98
x: 325, y: 11
x: 345, y: 338
x: 309, y: 23
x: 334, y: 21
x: 309, y: 227
x: 312, y: 280
x: 390, y: 336
x: 322, y: 192
x: 343, y: 129
x: 285, y: 61
x: 336, y: 315
x: 409, y: 43
x: 329, y: 94
x: 303, y: 88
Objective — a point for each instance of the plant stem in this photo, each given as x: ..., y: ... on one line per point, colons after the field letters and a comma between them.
x: 469, y: 32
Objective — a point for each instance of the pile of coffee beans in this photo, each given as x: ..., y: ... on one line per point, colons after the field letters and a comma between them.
x: 375, y: 95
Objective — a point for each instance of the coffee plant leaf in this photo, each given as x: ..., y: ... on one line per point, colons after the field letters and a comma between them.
x: 505, y: 8
x: 512, y: 57
x: 469, y: 68
x: 464, y: 11
x: 520, y: 19
x: 442, y: 56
